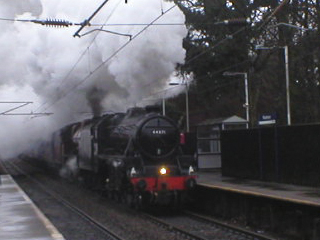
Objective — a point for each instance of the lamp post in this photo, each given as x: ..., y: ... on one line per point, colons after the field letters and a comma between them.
x: 286, y: 59
x: 185, y: 83
x: 246, y: 105
x: 286, y: 54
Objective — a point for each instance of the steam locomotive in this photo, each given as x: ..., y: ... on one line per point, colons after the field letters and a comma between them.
x: 134, y: 156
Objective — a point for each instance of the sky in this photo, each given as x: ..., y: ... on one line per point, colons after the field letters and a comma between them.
x: 76, y: 77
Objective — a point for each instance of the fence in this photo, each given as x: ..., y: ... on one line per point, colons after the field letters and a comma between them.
x: 288, y: 154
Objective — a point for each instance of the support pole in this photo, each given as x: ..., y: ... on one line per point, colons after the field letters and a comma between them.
x: 286, y: 53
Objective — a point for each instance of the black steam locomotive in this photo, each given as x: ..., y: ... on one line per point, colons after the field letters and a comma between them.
x: 134, y: 156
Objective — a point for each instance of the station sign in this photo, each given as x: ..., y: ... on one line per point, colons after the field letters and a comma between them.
x: 267, y: 119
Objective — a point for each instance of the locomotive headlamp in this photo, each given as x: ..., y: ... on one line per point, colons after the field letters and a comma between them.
x: 163, y: 171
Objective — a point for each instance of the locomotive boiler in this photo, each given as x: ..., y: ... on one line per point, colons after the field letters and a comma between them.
x: 134, y: 156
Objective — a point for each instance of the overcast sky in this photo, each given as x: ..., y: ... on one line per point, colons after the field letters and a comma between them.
x: 63, y: 75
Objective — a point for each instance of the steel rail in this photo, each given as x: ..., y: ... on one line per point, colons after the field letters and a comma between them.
x: 227, y: 226
x: 66, y: 203
x: 171, y: 227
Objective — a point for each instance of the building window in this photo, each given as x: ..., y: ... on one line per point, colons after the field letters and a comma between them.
x: 208, y: 146
x: 208, y: 139
x: 209, y: 132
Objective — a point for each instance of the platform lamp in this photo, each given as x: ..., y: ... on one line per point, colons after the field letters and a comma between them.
x: 245, y: 75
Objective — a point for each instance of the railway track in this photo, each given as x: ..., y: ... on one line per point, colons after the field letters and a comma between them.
x: 181, y: 225
x: 229, y: 227
x: 171, y: 227
x: 13, y: 169
x: 171, y: 231
x: 202, y: 228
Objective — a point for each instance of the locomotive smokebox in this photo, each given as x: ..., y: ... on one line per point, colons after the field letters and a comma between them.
x: 157, y: 137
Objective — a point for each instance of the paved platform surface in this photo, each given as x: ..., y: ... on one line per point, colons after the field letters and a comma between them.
x: 284, y: 192
x: 19, y: 217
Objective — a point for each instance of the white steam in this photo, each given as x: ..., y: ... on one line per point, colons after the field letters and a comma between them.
x: 61, y: 74
x: 70, y: 169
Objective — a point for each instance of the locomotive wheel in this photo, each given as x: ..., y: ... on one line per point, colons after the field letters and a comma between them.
x: 129, y: 199
x: 112, y: 194
x: 83, y: 179
x: 108, y: 194
x: 141, y: 200
x: 138, y: 201
x: 67, y: 174
x: 119, y: 197
x: 177, y: 200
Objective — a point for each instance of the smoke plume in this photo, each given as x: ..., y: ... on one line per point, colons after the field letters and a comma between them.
x: 76, y: 78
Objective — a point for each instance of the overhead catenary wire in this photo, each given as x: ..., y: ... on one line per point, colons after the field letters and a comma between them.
x: 274, y: 12
x: 263, y: 23
x: 107, y: 31
x: 21, y: 104
x: 83, y: 54
x: 47, y: 22
x: 237, y: 21
x: 60, y: 22
x: 237, y: 32
x: 65, y: 23
x: 109, y: 58
x: 87, y: 21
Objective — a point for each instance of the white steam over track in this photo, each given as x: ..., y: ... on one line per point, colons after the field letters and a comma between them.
x: 70, y: 76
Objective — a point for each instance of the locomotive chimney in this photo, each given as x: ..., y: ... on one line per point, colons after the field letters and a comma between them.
x: 95, y: 97
x: 153, y: 109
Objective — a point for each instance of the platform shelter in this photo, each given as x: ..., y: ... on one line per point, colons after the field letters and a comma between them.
x: 208, y: 140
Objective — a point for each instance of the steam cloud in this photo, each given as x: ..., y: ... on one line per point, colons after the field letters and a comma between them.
x: 44, y: 64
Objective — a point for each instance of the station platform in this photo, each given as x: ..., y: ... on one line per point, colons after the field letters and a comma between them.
x: 19, y: 217
x: 284, y: 192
